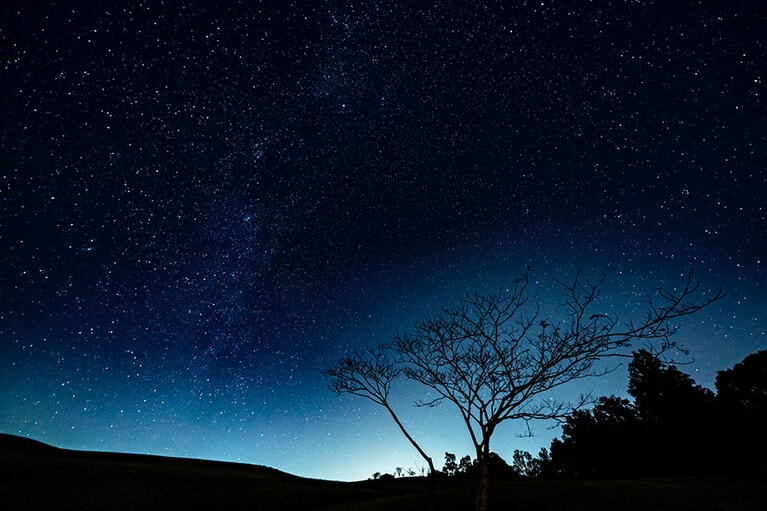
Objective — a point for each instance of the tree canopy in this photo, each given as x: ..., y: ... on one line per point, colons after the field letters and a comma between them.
x: 672, y: 427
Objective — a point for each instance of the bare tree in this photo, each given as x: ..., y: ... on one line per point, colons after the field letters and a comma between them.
x: 370, y: 375
x: 493, y: 357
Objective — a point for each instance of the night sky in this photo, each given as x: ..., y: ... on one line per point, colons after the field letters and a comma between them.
x: 202, y: 207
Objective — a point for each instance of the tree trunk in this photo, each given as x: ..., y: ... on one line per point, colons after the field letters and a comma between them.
x: 431, y: 481
x: 484, y: 481
x: 432, y: 477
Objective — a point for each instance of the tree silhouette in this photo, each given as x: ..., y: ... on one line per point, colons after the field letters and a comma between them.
x: 370, y: 375
x: 526, y: 466
x: 461, y: 468
x: 666, y: 430
x: 742, y: 406
x: 662, y: 392
x: 674, y: 427
x: 451, y: 467
x: 676, y: 416
x: 464, y: 465
x: 744, y: 387
x: 603, y: 442
x: 493, y: 358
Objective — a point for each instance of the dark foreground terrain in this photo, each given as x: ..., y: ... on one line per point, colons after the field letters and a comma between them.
x: 38, y: 476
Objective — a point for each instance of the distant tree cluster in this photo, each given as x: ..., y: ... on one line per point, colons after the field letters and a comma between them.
x: 398, y: 472
x: 673, y: 427
x: 527, y: 466
x: 468, y: 468
x: 452, y: 469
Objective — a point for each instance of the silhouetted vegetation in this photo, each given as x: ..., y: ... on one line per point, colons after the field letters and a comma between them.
x: 741, y: 409
x: 493, y: 356
x: 526, y: 466
x: 455, y: 469
x: 467, y: 468
x: 673, y: 427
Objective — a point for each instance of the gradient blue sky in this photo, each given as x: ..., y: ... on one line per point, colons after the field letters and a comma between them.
x: 203, y: 206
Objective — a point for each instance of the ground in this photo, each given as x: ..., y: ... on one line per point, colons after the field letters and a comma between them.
x: 42, y: 477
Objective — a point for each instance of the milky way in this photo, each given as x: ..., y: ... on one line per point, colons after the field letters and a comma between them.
x: 202, y: 207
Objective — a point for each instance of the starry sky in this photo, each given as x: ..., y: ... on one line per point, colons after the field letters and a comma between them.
x: 202, y: 206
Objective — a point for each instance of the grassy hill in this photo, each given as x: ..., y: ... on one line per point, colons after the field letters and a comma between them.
x: 38, y: 476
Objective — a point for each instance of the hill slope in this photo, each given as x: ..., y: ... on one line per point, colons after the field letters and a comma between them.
x: 40, y: 476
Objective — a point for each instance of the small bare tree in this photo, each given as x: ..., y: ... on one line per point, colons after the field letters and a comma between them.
x: 493, y: 358
x: 370, y: 374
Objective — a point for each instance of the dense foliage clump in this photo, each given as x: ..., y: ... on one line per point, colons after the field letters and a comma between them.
x: 673, y: 427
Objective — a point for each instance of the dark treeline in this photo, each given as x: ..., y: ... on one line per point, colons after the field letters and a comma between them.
x: 670, y: 427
